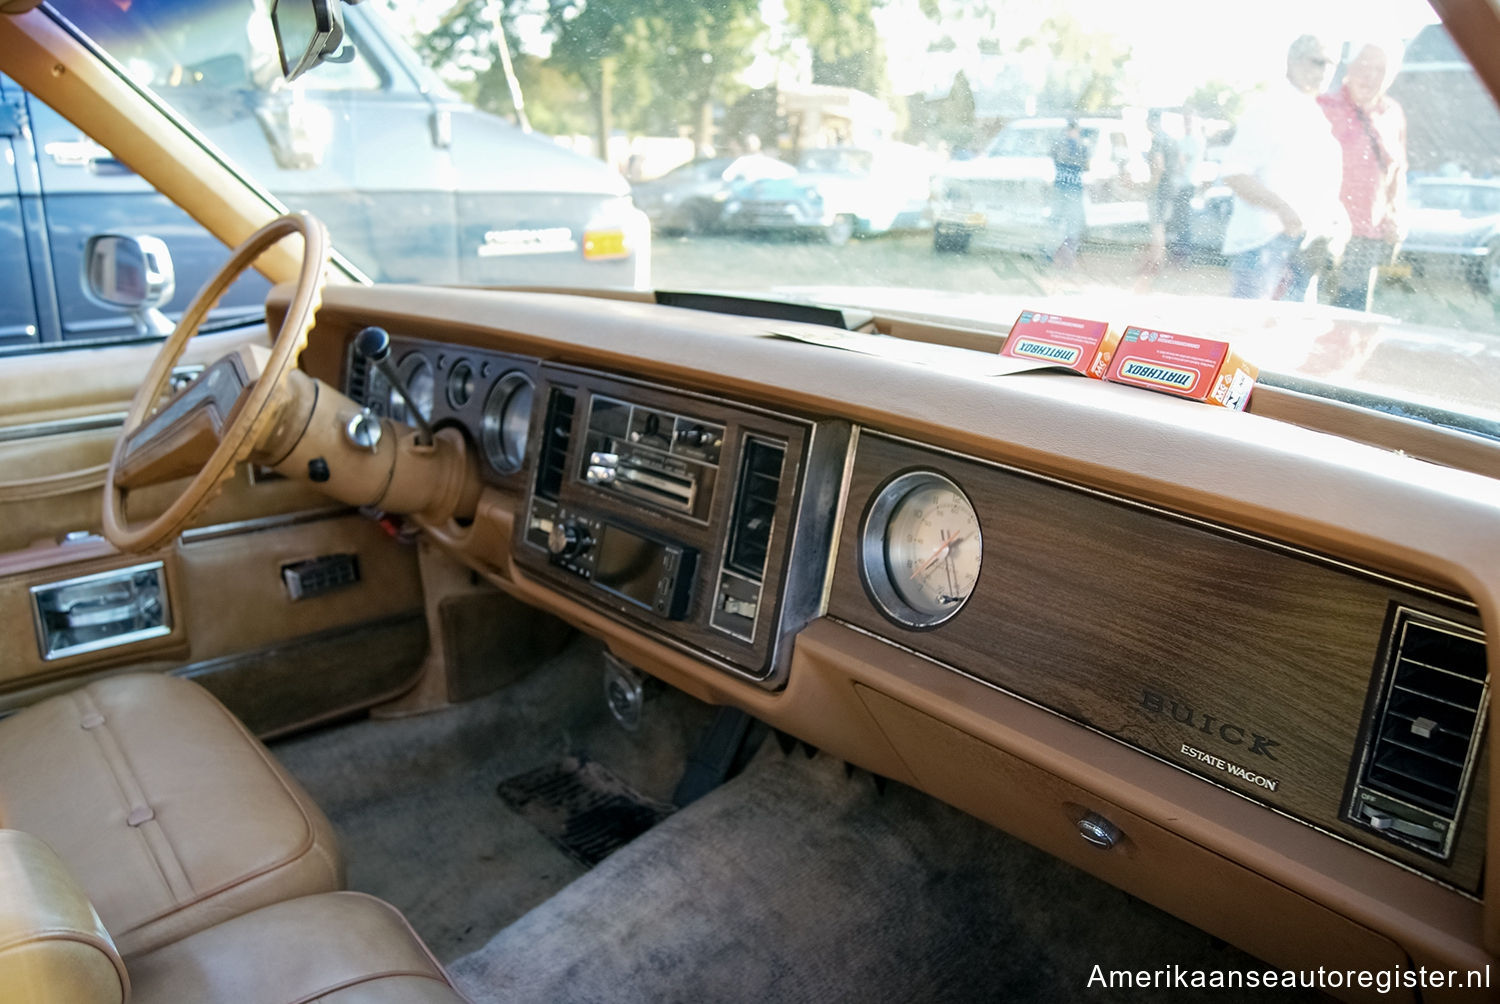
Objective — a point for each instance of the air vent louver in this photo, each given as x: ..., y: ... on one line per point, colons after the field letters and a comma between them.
x: 556, y: 436
x: 755, y: 507
x: 359, y: 371
x: 1425, y: 732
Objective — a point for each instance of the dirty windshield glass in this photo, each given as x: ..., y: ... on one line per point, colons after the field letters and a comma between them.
x: 1318, y: 182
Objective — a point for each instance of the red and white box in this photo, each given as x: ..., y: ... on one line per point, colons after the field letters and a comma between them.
x: 1070, y: 342
x: 1202, y: 369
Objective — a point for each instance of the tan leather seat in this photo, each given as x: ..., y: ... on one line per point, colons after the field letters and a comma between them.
x: 168, y: 812
x: 52, y: 944
x: 338, y: 948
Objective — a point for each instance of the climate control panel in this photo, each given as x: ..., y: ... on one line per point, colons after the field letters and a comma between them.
x: 704, y: 521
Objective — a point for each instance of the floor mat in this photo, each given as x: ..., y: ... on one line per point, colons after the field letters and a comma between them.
x: 796, y: 883
x: 413, y: 799
x: 582, y: 808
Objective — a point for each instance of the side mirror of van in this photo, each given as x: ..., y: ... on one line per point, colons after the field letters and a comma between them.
x: 133, y: 274
x: 307, y: 33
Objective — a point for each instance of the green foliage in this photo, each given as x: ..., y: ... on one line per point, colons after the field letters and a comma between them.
x: 846, y: 49
x: 465, y: 43
x: 698, y: 52
x: 1087, y: 68
x: 1217, y: 99
x: 644, y: 65
x: 955, y: 117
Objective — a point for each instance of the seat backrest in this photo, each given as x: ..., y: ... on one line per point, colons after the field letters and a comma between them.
x: 53, y: 947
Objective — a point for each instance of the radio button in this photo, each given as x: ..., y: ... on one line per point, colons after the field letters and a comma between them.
x: 568, y: 538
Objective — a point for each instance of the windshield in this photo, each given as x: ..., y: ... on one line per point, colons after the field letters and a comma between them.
x: 705, y: 170
x: 1131, y: 163
x: 837, y: 160
x: 1024, y: 140
x: 1465, y: 199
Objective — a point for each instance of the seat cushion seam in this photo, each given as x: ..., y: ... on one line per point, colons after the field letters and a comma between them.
x: 126, y: 779
x: 355, y: 981
x: 83, y: 705
x: 309, y: 842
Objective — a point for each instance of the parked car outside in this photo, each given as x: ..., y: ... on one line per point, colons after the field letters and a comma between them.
x: 57, y: 189
x: 691, y: 198
x: 839, y: 193
x: 1004, y: 200
x: 462, y: 196
x: 1454, y: 230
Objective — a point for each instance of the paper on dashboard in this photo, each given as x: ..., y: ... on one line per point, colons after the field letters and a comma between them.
x: 949, y: 359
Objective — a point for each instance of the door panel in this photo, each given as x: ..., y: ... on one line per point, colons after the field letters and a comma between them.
x: 60, y: 413
x: 233, y: 624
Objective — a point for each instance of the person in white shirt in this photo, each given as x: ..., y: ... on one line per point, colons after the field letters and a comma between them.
x: 1284, y: 168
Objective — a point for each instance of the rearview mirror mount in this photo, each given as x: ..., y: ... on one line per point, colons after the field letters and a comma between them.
x: 308, y: 32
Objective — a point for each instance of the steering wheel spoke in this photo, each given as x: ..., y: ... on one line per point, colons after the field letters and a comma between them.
x: 222, y: 417
x: 181, y: 436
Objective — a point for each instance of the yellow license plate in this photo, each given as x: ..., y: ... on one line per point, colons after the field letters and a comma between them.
x: 602, y: 245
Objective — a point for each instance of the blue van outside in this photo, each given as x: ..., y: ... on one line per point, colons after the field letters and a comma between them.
x: 413, y: 183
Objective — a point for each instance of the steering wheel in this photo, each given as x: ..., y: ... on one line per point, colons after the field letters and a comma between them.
x: 218, y: 420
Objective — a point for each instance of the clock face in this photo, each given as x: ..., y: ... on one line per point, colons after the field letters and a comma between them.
x: 922, y: 549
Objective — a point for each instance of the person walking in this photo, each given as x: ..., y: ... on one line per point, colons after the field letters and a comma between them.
x: 1070, y: 158
x: 1191, y: 149
x: 1285, y: 169
x: 1165, y: 158
x: 1371, y: 131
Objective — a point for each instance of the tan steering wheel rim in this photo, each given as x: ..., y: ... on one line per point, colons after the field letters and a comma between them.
x: 252, y: 413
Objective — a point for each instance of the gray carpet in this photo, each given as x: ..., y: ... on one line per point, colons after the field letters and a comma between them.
x: 415, y: 805
x: 795, y: 882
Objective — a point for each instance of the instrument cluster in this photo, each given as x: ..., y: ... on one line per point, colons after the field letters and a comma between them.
x: 488, y: 393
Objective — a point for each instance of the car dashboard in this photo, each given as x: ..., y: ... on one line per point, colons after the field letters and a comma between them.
x: 1233, y: 666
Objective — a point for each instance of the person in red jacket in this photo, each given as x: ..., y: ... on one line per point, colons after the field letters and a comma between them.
x: 1371, y: 129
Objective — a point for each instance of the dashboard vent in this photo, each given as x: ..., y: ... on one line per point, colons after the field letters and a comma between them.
x: 1425, y: 732
x: 755, y: 507
x: 556, y: 435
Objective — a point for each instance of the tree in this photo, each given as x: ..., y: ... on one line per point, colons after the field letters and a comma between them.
x: 955, y: 118
x: 464, y: 41
x: 649, y: 65
x: 701, y: 50
x: 596, y: 42
x: 656, y: 63
x: 846, y: 48
x: 1218, y: 99
x: 1087, y: 68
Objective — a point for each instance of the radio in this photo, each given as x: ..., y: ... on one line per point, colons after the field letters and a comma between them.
x: 652, y: 574
x: 652, y: 455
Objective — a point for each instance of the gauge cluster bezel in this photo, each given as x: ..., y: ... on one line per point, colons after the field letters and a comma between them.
x: 502, y: 459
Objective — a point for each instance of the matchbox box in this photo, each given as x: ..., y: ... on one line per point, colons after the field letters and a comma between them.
x: 1071, y: 342
x: 1203, y: 369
